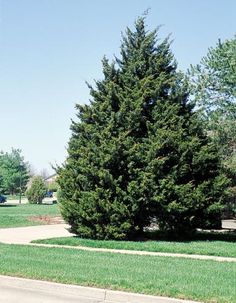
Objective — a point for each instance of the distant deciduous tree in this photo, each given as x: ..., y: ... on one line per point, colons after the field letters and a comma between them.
x: 14, y: 173
x: 213, y: 86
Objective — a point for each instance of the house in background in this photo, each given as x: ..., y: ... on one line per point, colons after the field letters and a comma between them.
x: 51, y: 179
x: 51, y: 183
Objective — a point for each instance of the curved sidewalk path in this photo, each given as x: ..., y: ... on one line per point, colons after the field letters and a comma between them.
x: 140, y: 252
x: 24, y: 235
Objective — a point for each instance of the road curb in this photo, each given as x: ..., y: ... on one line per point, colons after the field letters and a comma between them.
x: 97, y: 295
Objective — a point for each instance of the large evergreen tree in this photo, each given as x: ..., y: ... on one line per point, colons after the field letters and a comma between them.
x: 137, y: 151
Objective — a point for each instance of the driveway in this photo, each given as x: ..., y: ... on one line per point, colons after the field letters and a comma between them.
x: 24, y: 235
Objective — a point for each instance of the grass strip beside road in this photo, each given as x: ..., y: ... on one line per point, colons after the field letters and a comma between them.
x: 21, y: 215
x: 206, y: 281
x: 212, y: 248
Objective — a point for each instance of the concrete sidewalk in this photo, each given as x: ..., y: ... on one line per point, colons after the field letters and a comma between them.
x: 24, y: 235
x: 14, y: 290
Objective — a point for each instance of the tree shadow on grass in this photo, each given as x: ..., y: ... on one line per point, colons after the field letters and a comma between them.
x: 228, y: 236
x: 7, y: 205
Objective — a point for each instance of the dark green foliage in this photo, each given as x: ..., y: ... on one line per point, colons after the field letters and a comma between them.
x: 37, y: 191
x: 138, y: 151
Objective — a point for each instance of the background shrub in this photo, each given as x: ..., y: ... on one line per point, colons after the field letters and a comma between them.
x: 37, y: 191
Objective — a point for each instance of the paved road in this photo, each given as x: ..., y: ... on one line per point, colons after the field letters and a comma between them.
x: 14, y: 290
x: 12, y: 294
x: 24, y: 235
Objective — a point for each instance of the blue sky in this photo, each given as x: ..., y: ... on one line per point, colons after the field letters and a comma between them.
x: 49, y: 48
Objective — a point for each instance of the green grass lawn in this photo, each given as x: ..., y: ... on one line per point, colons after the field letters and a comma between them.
x: 19, y: 215
x: 214, y: 247
x: 207, y: 281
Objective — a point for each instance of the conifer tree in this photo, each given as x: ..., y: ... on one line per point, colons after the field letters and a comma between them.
x: 137, y: 151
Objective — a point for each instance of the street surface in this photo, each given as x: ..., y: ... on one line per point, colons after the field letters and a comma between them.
x: 14, y: 290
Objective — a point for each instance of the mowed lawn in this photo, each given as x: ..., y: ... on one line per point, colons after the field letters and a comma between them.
x: 213, y: 247
x: 207, y: 281
x: 24, y: 214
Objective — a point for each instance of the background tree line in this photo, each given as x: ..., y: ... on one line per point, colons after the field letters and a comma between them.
x: 17, y: 176
x: 213, y: 88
